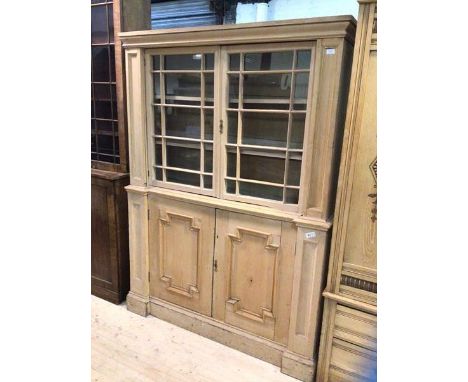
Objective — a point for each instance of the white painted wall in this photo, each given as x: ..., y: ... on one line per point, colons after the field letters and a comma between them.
x: 296, y: 9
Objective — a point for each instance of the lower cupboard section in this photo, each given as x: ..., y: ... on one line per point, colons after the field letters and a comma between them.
x: 251, y: 282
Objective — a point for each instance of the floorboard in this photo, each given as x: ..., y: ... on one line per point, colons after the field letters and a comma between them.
x: 126, y: 347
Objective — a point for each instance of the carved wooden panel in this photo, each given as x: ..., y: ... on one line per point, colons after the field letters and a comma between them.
x: 181, y: 253
x: 351, y: 363
x: 308, y: 286
x: 248, y: 254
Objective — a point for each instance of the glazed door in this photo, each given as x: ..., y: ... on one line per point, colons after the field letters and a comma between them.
x: 253, y: 274
x: 181, y: 253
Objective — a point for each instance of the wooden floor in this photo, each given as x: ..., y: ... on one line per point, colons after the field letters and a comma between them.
x: 130, y: 348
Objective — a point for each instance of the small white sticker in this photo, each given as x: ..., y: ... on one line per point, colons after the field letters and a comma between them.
x: 330, y: 51
x: 310, y: 235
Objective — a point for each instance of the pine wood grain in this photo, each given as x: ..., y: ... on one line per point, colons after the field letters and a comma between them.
x: 127, y: 347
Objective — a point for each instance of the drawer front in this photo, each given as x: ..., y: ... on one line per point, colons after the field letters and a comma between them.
x: 181, y: 253
x: 352, y: 363
x: 356, y: 327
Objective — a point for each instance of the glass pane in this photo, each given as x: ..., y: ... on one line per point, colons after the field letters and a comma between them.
x: 262, y: 167
x: 105, y: 144
x: 208, y: 181
x: 303, y: 59
x: 183, y: 177
x: 292, y: 196
x: 234, y: 91
x: 209, y: 89
x: 300, y: 91
x: 183, y: 155
x: 264, y: 129
x: 110, y: 15
x: 159, y: 175
x: 230, y: 186
x: 232, y: 126
x: 157, y: 120
x: 104, y: 126
x: 102, y: 92
x: 234, y: 61
x: 208, y: 147
x: 157, y: 88
x: 296, y: 140
x: 156, y: 62
x: 209, y: 61
x: 100, y: 60
x: 99, y: 25
x: 182, y: 62
x: 93, y: 143
x: 158, y: 153
x: 114, y: 102
x: 112, y: 62
x: 182, y: 85
x: 268, y: 61
x: 208, y: 124
x: 294, y: 172
x: 231, y: 162
x: 267, y: 91
x: 103, y: 109
x: 261, y: 191
x: 183, y: 122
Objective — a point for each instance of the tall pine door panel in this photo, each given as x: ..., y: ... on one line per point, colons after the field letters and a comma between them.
x: 181, y: 253
x: 253, y: 274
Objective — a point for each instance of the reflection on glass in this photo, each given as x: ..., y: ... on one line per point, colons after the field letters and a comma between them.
x: 297, y: 131
x: 300, y: 91
x: 156, y: 62
x: 233, y: 91
x: 230, y: 186
x: 208, y: 124
x: 261, y: 191
x: 292, y: 196
x: 234, y: 61
x: 183, y: 122
x: 100, y: 60
x: 208, y: 147
x: 158, y: 153
x: 182, y: 85
x: 110, y: 14
x: 209, y: 61
x: 159, y: 175
x: 232, y: 126
x: 303, y: 59
x: 208, y: 181
x: 267, y: 91
x: 182, y: 62
x: 264, y: 129
x: 183, y: 177
x: 294, y: 172
x: 268, y: 61
x: 157, y: 120
x: 157, y: 88
x: 99, y: 25
x: 231, y: 162
x: 103, y: 126
x: 209, y: 89
x: 261, y: 167
x: 183, y: 155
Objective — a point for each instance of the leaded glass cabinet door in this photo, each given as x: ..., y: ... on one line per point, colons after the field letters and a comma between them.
x: 181, y: 98
x: 265, y: 102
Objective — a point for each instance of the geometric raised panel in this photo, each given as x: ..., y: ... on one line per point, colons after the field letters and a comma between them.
x: 181, y: 253
x: 251, y: 293
x: 180, y: 248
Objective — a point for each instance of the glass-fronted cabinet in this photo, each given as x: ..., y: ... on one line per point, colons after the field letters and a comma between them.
x: 234, y: 138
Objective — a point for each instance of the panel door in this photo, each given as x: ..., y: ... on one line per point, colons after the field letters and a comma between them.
x: 253, y: 274
x: 181, y: 253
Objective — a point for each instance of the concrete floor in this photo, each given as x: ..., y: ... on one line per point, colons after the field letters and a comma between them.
x: 130, y: 348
